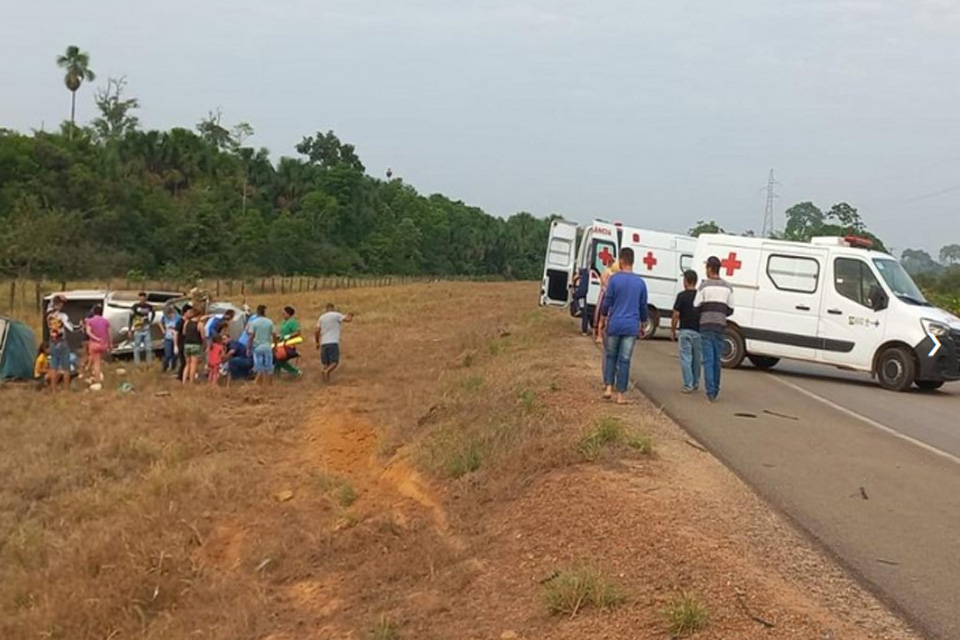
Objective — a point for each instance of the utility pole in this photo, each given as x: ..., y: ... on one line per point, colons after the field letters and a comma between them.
x: 769, y: 224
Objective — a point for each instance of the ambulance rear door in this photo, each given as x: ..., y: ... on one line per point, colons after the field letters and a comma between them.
x: 559, y: 264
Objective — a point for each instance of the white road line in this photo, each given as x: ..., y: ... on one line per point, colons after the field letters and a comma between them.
x: 870, y: 421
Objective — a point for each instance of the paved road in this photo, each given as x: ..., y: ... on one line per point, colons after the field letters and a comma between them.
x: 872, y: 475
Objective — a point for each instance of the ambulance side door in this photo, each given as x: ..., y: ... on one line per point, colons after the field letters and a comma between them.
x: 787, y: 305
x: 850, y: 328
x: 559, y: 264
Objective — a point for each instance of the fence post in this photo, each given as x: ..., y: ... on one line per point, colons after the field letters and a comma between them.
x: 38, y: 298
x: 243, y: 288
x: 263, y: 283
x: 218, y: 287
x: 13, y: 294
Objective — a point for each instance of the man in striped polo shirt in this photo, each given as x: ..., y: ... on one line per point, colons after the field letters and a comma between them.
x: 715, y: 302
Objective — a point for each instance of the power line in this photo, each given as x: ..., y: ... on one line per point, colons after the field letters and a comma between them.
x: 769, y: 224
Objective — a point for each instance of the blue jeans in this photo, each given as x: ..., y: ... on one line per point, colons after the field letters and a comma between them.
x: 169, y: 359
x: 141, y: 340
x: 616, y: 370
x: 690, y: 348
x: 263, y: 359
x: 713, y: 343
x: 60, y: 356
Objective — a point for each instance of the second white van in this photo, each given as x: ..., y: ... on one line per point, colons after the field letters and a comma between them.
x: 832, y: 301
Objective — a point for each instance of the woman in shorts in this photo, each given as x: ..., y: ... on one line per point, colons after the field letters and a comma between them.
x: 192, y: 345
x: 98, y: 332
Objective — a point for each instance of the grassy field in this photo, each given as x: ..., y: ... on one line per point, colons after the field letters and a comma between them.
x: 460, y: 478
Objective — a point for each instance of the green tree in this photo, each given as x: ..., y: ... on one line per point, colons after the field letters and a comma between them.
x: 918, y: 262
x: 116, y: 119
x: 213, y: 132
x: 950, y: 254
x: 179, y: 202
x: 326, y: 150
x: 846, y: 217
x: 77, y: 66
x: 804, y: 220
x: 703, y: 226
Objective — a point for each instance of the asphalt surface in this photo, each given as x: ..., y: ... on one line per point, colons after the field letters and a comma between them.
x: 872, y: 475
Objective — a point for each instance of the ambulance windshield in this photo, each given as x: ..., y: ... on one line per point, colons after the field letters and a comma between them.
x: 900, y: 282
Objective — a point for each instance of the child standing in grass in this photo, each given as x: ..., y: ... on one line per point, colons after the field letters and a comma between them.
x: 41, y: 365
x: 215, y: 357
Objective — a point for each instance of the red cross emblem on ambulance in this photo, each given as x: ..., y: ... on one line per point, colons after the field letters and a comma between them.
x: 650, y: 261
x: 606, y: 257
x: 730, y: 263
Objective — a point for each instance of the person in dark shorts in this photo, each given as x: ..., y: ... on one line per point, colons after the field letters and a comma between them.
x: 58, y: 324
x: 686, y: 318
x: 178, y: 329
x: 327, y: 338
x: 192, y: 345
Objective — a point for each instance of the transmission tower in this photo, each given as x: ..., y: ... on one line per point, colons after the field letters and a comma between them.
x: 769, y: 224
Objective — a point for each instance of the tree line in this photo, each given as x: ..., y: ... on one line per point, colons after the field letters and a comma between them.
x: 109, y: 198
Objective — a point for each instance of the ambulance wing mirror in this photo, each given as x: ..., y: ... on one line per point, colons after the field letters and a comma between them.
x: 878, y: 299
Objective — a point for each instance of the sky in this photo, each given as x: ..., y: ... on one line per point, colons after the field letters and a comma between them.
x: 655, y: 114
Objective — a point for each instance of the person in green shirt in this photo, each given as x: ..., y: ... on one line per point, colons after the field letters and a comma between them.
x: 289, y: 328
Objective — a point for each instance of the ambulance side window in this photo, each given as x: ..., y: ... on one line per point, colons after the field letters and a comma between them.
x: 854, y: 280
x: 686, y: 261
x: 603, y: 255
x: 794, y: 273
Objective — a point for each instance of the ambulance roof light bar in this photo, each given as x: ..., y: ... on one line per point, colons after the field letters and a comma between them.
x: 847, y: 241
x: 858, y: 243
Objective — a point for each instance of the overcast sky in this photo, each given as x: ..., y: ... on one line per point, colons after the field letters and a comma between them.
x: 652, y: 113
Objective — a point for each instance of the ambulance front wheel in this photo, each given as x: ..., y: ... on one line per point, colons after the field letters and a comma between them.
x: 652, y: 324
x: 896, y: 369
x: 734, y: 349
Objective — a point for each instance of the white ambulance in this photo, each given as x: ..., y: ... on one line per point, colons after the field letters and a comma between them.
x: 661, y: 258
x: 832, y: 301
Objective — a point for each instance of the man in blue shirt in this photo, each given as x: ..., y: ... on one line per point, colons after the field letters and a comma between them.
x: 625, y: 308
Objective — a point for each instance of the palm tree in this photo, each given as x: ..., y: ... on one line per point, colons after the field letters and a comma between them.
x: 77, y: 64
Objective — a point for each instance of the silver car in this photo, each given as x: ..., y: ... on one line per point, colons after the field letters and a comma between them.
x: 117, y: 310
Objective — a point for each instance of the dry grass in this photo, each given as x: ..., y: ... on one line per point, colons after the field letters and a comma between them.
x: 686, y: 614
x: 384, y: 629
x: 573, y: 590
x: 156, y: 515
x: 609, y: 435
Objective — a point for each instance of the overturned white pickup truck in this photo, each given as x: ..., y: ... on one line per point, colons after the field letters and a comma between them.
x: 117, y: 309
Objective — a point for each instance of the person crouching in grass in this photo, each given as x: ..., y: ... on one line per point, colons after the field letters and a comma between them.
x: 41, y: 365
x: 217, y: 355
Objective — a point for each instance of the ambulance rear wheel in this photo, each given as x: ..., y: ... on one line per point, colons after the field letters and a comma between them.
x: 734, y: 349
x: 896, y: 369
x: 652, y: 324
x: 763, y: 362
